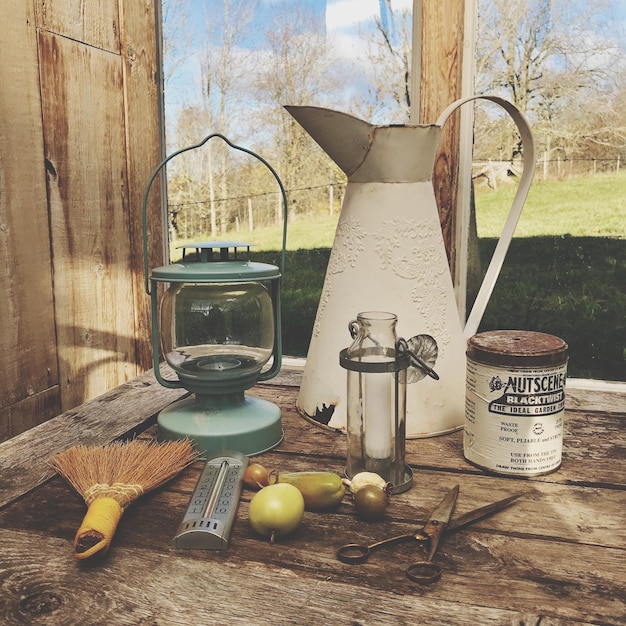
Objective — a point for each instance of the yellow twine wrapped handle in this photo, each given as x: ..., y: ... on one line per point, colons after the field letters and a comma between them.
x: 98, y: 527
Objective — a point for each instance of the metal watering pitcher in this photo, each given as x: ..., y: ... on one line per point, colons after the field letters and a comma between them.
x: 389, y: 254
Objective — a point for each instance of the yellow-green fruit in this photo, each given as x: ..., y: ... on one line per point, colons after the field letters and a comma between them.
x: 276, y: 510
x: 322, y: 491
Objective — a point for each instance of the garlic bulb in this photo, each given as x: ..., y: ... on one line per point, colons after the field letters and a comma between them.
x: 363, y: 479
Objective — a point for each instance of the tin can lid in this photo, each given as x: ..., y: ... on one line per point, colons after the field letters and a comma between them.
x: 517, y: 347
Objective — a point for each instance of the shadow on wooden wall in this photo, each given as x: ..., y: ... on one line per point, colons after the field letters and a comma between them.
x: 80, y: 133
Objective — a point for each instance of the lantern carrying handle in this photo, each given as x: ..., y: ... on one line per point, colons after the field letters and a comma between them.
x: 193, y: 147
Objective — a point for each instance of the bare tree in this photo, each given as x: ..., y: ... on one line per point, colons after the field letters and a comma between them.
x: 298, y: 71
x: 226, y: 66
x: 548, y: 57
x: 177, y: 36
x: 388, y: 41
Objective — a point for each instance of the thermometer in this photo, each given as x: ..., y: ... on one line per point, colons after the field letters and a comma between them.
x: 213, y: 505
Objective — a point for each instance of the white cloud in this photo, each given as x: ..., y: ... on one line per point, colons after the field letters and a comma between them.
x: 347, y: 13
x: 346, y: 18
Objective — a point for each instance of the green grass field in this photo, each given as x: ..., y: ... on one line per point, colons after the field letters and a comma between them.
x: 581, y: 207
x: 587, y: 206
x: 564, y: 274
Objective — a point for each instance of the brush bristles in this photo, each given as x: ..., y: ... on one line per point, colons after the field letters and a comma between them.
x: 122, y: 471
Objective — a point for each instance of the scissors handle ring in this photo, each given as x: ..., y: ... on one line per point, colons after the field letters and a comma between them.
x: 353, y: 553
x: 424, y: 572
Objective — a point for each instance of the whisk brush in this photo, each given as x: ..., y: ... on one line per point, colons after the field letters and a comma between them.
x: 111, y: 477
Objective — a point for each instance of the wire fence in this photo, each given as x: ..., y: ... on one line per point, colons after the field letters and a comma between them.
x: 193, y: 218
x: 491, y: 171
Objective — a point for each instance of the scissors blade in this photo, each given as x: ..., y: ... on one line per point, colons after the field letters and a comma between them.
x: 438, y: 522
x: 443, y: 512
x: 482, y: 512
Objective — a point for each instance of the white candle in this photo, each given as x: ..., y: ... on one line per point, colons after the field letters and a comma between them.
x: 377, y: 407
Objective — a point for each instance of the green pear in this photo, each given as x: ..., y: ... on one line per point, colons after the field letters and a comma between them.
x: 276, y: 510
x: 322, y: 491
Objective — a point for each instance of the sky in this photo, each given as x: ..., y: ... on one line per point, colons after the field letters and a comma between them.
x: 341, y: 20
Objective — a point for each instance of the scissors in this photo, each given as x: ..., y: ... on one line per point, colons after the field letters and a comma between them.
x: 426, y: 572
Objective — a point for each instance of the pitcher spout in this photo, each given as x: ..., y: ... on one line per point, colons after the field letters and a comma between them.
x: 369, y: 153
x: 345, y: 138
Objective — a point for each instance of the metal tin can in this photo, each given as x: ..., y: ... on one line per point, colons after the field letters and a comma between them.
x: 514, y: 402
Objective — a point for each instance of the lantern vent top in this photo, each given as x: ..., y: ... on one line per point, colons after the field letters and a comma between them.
x: 215, y: 250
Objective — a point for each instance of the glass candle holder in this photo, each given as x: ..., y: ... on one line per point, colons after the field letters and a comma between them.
x: 377, y: 364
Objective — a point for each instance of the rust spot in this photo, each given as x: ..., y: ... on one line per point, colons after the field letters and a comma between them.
x: 323, y: 415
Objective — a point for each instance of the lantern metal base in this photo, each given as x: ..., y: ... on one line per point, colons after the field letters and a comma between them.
x: 249, y: 425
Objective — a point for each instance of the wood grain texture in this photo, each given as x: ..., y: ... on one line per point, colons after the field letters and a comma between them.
x: 146, y: 587
x: 83, y: 105
x: 441, y: 79
x: 525, y: 568
x: 79, y: 134
x: 144, y: 148
x: 95, y: 23
x: 125, y: 410
x: 29, y: 412
x: 28, y: 365
x: 555, y: 557
x: 120, y: 412
x: 133, y: 406
x: 543, y: 567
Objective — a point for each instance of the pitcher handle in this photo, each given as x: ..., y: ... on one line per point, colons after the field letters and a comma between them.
x: 529, y: 161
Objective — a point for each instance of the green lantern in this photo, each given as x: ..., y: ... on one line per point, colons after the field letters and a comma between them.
x: 217, y: 322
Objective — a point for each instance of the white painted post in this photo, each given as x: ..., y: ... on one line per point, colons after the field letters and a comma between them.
x: 416, y: 62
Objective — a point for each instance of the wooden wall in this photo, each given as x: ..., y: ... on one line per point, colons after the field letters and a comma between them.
x: 80, y: 131
x: 441, y: 78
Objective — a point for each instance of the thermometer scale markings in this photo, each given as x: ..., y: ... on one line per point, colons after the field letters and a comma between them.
x: 217, y: 489
x: 212, y: 507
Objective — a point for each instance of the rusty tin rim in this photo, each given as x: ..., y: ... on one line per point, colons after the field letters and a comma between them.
x: 517, y: 348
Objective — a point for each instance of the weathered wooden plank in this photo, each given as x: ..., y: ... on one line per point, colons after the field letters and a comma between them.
x: 596, y: 396
x: 40, y: 582
x: 603, y: 396
x: 88, y: 197
x: 28, y: 363
x: 555, y: 557
x: 441, y: 80
x: 130, y: 407
x: 591, y: 442
x: 575, y: 515
x: 95, y: 23
x: 30, y: 412
x: 142, y: 95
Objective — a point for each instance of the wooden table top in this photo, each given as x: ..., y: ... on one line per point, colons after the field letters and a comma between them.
x: 557, y: 557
